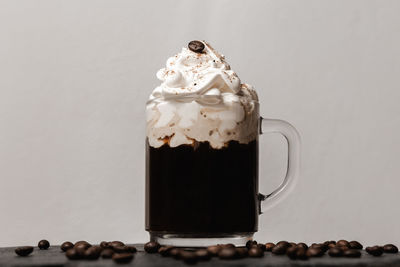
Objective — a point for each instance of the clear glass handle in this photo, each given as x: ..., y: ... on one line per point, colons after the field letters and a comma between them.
x: 293, y: 166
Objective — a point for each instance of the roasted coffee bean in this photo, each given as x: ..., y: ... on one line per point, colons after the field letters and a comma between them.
x: 188, y: 256
x: 292, y: 244
x: 335, y: 252
x: 87, y: 244
x: 43, y: 244
x: 92, y: 253
x: 121, y: 249
x: 66, y: 245
x: 342, y: 242
x: 352, y: 253
x: 255, y: 252
x: 283, y: 243
x: 250, y: 243
x: 301, y: 254
x: 107, y: 253
x: 242, y: 252
x: 175, y: 253
x: 269, y: 246
x: 315, y: 252
x: 104, y: 244
x: 329, y: 242
x: 202, y: 254
x: 229, y: 245
x: 292, y: 252
x: 132, y: 249
x: 280, y: 248
x: 114, y: 244
x: 331, y: 245
x: 355, y: 245
x: 302, y: 245
x: 390, y: 248
x: 374, y: 251
x: 24, y: 251
x: 213, y: 250
x: 261, y: 246
x: 227, y: 253
x: 72, y: 254
x: 122, y: 257
x: 343, y: 248
x: 164, y: 250
x: 323, y: 247
x: 151, y: 247
x: 81, y: 249
x: 196, y: 46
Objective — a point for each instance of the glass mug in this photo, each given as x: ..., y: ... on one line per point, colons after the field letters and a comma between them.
x: 199, y: 196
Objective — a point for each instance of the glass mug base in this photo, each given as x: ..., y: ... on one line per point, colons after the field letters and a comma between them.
x: 193, y: 240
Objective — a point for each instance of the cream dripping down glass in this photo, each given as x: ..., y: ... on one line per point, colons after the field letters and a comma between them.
x: 202, y: 135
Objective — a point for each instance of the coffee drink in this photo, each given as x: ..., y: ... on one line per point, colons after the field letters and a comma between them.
x: 202, y: 134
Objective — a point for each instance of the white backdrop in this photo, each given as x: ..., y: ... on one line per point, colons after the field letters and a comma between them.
x: 75, y: 75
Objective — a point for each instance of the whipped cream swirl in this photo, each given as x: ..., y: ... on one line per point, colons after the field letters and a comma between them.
x: 201, y: 99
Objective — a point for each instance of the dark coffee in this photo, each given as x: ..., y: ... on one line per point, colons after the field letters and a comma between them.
x: 202, y: 191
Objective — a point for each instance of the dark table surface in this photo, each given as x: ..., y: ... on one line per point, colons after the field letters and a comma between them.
x: 54, y: 257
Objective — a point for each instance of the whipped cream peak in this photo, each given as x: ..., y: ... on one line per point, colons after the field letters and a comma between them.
x: 193, y: 75
x: 201, y: 99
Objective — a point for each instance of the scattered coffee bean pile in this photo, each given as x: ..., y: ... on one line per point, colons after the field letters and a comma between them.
x: 295, y: 251
x: 82, y: 250
x: 122, y: 253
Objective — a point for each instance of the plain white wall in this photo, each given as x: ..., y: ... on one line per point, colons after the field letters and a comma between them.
x: 75, y: 76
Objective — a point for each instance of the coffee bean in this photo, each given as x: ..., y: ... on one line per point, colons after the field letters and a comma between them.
x: 175, y: 253
x: 43, y: 244
x: 301, y: 254
x: 121, y: 249
x: 269, y: 246
x: 250, y: 243
x: 188, y: 256
x: 66, y: 245
x: 81, y: 248
x: 355, y: 245
x: 122, y: 257
x: 256, y: 252
x: 107, y: 253
x: 331, y: 245
x: 213, y: 250
x: 374, y: 250
x: 92, y: 253
x: 164, y: 250
x: 196, y: 46
x: 24, y: 251
x: 229, y: 245
x: 72, y: 254
x: 242, y: 252
x: 343, y: 248
x: 315, y: 252
x: 323, y: 247
x: 151, y: 247
x: 352, y: 253
x: 342, y: 243
x: 132, y: 249
x: 335, y: 252
x: 202, y: 254
x: 104, y: 244
x: 280, y: 248
x: 283, y: 243
x: 227, y: 253
x: 390, y: 248
x: 302, y: 245
x: 292, y: 244
x: 114, y: 244
x: 82, y: 242
x: 292, y: 252
x: 330, y: 242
